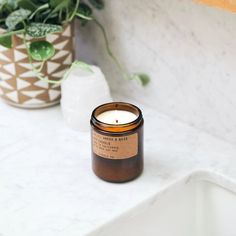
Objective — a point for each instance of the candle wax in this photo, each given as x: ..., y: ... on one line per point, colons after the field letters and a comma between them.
x: 116, y: 117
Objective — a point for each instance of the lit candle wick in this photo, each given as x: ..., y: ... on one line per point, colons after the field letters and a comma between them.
x: 116, y: 117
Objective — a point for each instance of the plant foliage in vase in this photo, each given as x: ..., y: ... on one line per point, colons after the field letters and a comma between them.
x: 37, y: 18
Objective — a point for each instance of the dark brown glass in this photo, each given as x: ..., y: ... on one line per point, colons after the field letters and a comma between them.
x: 118, y: 170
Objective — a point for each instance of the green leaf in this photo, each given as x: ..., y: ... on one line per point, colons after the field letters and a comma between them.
x: 41, y: 50
x: 6, y: 41
x: 143, y: 78
x: 16, y: 17
x: 12, y: 3
x: 27, y: 4
x: 99, y: 4
x: 40, y: 30
x: 59, y: 3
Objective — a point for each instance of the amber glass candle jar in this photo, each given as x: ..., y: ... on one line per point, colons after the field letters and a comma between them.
x: 117, y: 141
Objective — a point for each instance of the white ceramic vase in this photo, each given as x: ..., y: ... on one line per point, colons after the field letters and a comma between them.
x: 83, y: 91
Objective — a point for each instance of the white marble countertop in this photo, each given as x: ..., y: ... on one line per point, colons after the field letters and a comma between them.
x: 47, y: 187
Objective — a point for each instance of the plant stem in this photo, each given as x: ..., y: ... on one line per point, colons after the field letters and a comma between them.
x: 27, y: 49
x: 37, y: 10
x: 110, y: 52
x: 12, y: 33
x: 141, y: 77
x: 48, y: 80
x: 83, y: 16
x: 41, y: 66
x: 75, y: 10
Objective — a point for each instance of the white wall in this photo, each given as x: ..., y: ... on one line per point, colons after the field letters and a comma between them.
x: 189, y: 50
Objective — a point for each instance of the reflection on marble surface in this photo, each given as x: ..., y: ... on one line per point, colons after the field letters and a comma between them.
x: 189, y: 50
x: 47, y: 186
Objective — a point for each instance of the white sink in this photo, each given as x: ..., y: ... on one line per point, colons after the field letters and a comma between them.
x: 201, y: 204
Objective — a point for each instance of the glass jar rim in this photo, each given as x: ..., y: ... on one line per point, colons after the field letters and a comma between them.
x: 116, y: 106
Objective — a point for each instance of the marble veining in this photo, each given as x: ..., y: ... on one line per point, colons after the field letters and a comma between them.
x: 188, y: 49
x: 48, y: 188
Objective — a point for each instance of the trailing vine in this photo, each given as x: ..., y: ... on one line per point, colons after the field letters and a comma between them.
x: 38, y: 18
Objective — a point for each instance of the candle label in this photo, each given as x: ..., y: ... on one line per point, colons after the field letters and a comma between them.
x: 115, y: 147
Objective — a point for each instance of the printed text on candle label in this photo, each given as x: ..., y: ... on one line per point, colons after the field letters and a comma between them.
x: 117, y: 147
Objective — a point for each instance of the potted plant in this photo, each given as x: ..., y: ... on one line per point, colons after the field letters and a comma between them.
x: 36, y: 48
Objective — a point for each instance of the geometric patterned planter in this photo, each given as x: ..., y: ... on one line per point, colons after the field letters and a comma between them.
x: 18, y: 84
